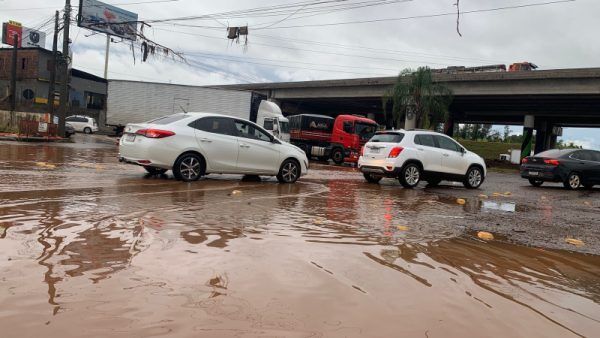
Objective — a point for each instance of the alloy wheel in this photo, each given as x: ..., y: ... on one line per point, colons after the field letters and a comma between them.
x: 289, y: 172
x: 475, y: 178
x: 189, y: 168
x: 574, y: 181
x: 412, y: 175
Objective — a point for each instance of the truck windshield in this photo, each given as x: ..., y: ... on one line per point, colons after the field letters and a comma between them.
x: 365, y: 130
x: 284, y: 126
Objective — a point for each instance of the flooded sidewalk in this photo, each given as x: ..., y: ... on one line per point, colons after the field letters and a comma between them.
x: 91, y: 247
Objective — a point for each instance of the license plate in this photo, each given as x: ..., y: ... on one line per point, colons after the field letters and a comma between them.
x: 374, y: 150
x: 130, y: 137
x: 534, y: 173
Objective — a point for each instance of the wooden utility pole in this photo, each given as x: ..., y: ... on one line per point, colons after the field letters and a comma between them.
x: 53, y: 63
x: 64, y: 89
x: 13, y: 82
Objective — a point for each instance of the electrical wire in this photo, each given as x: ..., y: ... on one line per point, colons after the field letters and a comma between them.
x: 115, y: 4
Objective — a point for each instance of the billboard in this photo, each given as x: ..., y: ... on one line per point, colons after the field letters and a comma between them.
x: 105, y: 18
x: 27, y: 37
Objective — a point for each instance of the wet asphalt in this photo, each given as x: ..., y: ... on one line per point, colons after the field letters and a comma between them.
x: 92, y: 246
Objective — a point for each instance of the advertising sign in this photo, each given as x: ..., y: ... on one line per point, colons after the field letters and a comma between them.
x: 105, y: 18
x: 27, y: 37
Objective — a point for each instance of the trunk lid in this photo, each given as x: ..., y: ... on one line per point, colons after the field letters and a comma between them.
x: 378, y: 150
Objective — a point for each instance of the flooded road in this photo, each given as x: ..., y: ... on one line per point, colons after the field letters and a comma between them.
x: 91, y: 247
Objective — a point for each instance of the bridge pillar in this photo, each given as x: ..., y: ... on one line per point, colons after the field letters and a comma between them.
x: 528, y: 126
x: 542, y: 136
x: 449, y: 126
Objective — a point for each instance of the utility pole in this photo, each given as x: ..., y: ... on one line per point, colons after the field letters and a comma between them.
x: 53, y: 63
x: 64, y: 89
x: 106, y: 56
x: 13, y: 80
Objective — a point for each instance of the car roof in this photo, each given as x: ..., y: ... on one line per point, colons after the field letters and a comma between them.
x: 407, y: 131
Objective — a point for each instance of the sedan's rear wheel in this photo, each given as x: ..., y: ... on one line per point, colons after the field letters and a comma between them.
x: 289, y: 171
x: 410, y: 175
x: 189, y: 167
x: 535, y: 182
x: 573, y: 181
x: 371, y: 178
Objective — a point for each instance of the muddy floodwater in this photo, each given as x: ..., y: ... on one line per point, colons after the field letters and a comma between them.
x: 90, y: 247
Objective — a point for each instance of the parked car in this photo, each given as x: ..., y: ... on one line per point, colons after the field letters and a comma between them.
x: 69, y: 130
x: 415, y: 155
x: 83, y: 124
x: 196, y: 144
x: 573, y: 167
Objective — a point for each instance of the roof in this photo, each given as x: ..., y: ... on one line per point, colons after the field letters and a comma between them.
x: 84, y: 75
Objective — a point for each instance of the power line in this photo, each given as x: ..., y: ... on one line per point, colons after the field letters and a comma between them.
x: 425, y: 15
x: 116, y: 4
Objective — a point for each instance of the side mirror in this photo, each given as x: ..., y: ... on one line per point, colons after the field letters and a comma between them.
x: 463, y: 150
x: 275, y: 141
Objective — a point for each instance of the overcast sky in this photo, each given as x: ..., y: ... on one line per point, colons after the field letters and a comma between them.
x: 561, y: 35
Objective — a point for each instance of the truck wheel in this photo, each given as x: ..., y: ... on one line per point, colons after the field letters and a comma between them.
x: 337, y: 156
x: 410, y: 175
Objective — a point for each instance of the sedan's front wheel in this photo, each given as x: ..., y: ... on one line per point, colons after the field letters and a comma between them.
x: 189, y: 167
x: 289, y: 172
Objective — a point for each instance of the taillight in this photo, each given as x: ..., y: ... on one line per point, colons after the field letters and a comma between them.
x: 525, y: 160
x: 552, y: 162
x: 362, y: 150
x: 395, y: 152
x: 155, y: 133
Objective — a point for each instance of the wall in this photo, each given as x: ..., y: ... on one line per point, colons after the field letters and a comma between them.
x: 27, y: 64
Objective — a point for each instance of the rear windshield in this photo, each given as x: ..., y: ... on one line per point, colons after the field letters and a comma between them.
x: 168, y: 119
x: 387, y: 137
x: 555, y: 153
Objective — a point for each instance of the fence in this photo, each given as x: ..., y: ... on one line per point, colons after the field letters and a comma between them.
x: 33, y: 128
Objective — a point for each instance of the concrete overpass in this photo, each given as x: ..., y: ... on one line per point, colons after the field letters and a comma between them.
x: 549, y: 98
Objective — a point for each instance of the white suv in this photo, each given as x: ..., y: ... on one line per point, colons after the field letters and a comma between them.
x: 415, y: 155
x: 83, y: 124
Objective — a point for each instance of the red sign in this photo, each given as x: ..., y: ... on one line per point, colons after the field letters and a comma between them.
x: 9, y: 29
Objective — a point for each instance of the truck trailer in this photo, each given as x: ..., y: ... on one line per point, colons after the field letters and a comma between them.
x: 134, y: 102
x: 324, y: 137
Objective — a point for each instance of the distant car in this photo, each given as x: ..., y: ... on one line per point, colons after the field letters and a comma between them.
x: 69, y: 130
x: 415, y: 155
x: 196, y: 144
x: 83, y: 124
x: 573, y: 167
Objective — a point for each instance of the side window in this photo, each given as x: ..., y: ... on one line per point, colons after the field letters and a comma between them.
x: 596, y: 156
x: 216, y: 125
x: 425, y: 140
x: 448, y: 144
x: 247, y: 130
x: 70, y: 119
x: 348, y: 127
x: 268, y: 124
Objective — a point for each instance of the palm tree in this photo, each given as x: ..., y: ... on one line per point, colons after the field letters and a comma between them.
x: 415, y: 93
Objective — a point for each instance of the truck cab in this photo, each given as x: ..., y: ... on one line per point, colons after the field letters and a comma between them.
x: 271, y: 118
x: 352, y: 133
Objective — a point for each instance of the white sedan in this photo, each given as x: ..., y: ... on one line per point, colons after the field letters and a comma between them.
x: 196, y: 144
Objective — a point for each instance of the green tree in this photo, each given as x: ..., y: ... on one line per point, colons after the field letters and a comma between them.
x: 506, y: 133
x: 415, y: 92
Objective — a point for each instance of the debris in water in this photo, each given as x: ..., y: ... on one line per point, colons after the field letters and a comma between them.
x: 236, y: 192
x: 574, y: 241
x: 496, y: 194
x: 2, y: 231
x: 483, y: 196
x: 461, y: 201
x: 508, y: 193
x: 486, y: 236
x: 45, y: 165
x: 402, y: 228
x: 587, y: 203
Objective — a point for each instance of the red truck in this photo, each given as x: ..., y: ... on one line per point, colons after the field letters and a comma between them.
x: 324, y: 137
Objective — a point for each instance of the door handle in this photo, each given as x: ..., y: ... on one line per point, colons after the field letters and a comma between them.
x: 446, y: 155
x: 205, y: 140
x: 244, y: 145
x: 420, y: 149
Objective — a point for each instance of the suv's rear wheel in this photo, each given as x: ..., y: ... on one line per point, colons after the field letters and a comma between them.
x: 155, y: 171
x: 372, y: 178
x: 410, y: 175
x: 289, y: 171
x: 536, y: 182
x: 474, y: 178
x: 573, y: 181
x: 189, y: 167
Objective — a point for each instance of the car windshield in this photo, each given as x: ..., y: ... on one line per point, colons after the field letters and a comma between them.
x: 387, y: 137
x: 168, y: 119
x: 555, y: 153
x: 365, y: 130
x: 285, y: 126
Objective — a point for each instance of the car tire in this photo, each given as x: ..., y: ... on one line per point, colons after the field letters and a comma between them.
x: 87, y: 130
x: 289, y: 172
x: 155, y: 171
x: 434, y: 182
x: 535, y: 182
x: 189, y: 167
x: 372, y: 178
x: 410, y: 175
x: 474, y: 178
x: 337, y: 155
x: 573, y: 181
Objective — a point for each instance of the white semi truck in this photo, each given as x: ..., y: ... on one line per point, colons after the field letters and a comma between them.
x: 133, y: 102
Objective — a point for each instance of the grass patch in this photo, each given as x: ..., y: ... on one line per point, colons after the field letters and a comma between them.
x: 489, y: 150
